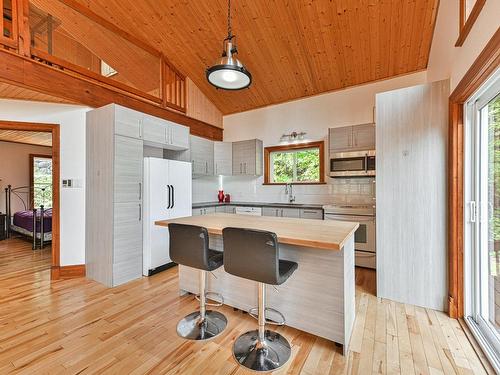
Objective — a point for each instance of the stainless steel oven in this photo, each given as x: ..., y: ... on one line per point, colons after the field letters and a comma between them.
x: 364, y: 237
x: 352, y: 164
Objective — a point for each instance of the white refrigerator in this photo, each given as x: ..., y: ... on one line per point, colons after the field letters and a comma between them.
x: 167, y: 195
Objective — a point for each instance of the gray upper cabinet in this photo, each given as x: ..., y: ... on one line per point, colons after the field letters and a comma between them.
x: 127, y: 121
x: 223, y: 158
x: 352, y: 138
x: 165, y: 134
x: 363, y: 137
x: 340, y: 138
x: 248, y: 157
x: 202, y: 156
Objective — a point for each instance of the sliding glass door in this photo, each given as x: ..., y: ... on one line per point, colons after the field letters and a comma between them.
x: 482, y: 256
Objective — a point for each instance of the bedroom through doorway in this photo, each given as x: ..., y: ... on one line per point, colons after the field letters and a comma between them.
x: 29, y: 204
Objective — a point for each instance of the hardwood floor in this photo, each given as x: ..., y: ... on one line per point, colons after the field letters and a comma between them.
x: 18, y: 260
x: 78, y: 326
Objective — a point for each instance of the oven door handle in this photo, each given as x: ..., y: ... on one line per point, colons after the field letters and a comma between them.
x: 366, y: 163
x: 349, y: 218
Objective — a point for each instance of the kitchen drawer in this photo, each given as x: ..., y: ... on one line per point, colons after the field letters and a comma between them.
x: 365, y: 259
x: 306, y: 213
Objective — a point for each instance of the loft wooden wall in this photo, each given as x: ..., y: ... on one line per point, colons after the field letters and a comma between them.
x: 200, y: 107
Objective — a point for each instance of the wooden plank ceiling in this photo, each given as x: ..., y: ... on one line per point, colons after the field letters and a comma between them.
x: 8, y: 91
x: 27, y: 137
x: 293, y: 48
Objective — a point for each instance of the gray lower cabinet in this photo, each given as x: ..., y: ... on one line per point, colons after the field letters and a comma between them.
x: 113, y: 214
x: 248, y: 157
x: 280, y: 212
x: 308, y: 213
x: 271, y: 211
x: 203, y: 211
x: 223, y: 209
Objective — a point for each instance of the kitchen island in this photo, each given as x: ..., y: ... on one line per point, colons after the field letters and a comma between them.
x: 319, y: 296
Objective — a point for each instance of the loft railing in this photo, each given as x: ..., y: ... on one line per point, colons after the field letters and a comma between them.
x: 65, y: 39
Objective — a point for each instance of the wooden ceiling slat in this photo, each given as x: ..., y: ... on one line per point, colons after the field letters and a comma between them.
x: 293, y: 48
x: 26, y: 137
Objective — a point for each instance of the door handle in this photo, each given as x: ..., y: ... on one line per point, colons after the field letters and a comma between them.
x: 473, y: 215
x: 241, y: 168
x: 140, y: 190
x: 140, y: 212
x: 366, y: 163
x: 168, y: 205
x: 173, y: 198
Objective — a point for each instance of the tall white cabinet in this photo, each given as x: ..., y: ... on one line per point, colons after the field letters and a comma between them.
x: 115, y: 139
x: 411, y: 144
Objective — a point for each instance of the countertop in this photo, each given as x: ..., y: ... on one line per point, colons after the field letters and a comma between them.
x: 320, y: 234
x: 258, y: 204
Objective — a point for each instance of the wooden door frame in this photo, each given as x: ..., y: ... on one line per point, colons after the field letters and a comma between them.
x: 55, y: 131
x: 32, y: 177
x: 486, y: 63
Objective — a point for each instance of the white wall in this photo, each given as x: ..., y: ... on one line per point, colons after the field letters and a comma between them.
x: 448, y: 61
x: 313, y: 115
x: 15, y: 170
x: 72, y: 155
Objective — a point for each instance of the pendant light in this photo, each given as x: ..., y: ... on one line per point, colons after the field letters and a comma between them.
x: 228, y: 73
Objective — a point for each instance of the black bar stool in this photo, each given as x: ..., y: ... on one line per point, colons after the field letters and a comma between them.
x: 254, y: 255
x: 189, y: 247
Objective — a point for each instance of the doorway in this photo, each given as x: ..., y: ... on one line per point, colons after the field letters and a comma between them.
x: 45, y: 190
x: 482, y: 221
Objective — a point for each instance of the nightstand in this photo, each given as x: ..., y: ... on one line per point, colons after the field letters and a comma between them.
x: 3, y: 229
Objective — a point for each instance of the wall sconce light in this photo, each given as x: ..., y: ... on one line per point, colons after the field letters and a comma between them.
x: 293, y: 137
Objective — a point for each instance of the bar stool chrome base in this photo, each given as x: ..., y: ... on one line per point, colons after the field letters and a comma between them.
x: 268, y: 355
x: 192, y: 327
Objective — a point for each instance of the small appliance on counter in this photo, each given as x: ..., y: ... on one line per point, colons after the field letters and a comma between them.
x: 227, y: 198
x: 220, y: 196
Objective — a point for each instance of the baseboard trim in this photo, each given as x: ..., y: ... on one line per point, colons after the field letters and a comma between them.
x: 67, y: 272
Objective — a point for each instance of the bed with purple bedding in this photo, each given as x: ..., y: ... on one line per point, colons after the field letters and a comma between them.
x: 24, y: 219
x: 34, y: 223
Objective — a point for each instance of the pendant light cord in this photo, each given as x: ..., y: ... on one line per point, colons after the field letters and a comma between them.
x: 229, y: 30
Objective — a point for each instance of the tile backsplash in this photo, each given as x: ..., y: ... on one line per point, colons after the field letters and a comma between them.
x: 249, y: 189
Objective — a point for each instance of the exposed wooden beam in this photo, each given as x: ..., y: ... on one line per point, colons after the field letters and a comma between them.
x: 25, y: 72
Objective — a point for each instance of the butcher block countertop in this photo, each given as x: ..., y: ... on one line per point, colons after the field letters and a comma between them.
x: 329, y: 234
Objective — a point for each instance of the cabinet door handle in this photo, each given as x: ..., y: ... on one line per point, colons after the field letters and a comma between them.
x: 140, y: 212
x: 140, y: 190
x: 310, y: 212
x: 206, y: 167
x: 241, y: 168
x: 173, y: 198
x: 245, y: 166
x: 168, y: 194
x: 141, y: 124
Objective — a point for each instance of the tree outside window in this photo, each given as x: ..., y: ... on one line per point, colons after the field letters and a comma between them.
x: 294, y: 163
x: 42, y: 181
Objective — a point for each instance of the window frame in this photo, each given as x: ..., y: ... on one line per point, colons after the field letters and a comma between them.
x: 293, y: 147
x: 32, y: 177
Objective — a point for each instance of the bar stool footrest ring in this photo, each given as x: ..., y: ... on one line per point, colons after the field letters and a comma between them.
x: 254, y: 313
x: 217, y: 297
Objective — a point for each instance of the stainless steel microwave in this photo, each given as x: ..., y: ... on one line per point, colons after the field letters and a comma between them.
x: 352, y: 164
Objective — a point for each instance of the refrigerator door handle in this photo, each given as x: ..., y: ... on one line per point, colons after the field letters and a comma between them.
x: 168, y: 205
x: 173, y: 198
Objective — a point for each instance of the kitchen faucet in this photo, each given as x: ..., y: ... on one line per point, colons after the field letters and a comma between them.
x: 289, y: 191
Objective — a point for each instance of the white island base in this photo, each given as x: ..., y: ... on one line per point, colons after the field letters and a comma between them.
x: 319, y: 297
